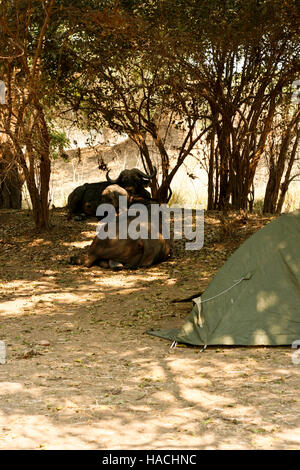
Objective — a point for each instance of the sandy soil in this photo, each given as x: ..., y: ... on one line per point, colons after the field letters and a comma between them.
x: 82, y: 373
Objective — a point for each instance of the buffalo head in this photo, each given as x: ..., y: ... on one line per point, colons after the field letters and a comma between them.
x: 111, y: 196
x: 134, y: 181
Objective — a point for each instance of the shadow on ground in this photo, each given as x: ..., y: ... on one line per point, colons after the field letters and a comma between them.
x: 82, y: 373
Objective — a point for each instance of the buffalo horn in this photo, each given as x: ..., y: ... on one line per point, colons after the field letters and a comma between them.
x: 149, y: 177
x: 110, y: 180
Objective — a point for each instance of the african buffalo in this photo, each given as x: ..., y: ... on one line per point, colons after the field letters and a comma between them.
x: 86, y: 198
x: 117, y: 252
x: 134, y: 181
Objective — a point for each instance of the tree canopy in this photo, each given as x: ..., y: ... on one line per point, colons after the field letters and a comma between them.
x: 218, y: 70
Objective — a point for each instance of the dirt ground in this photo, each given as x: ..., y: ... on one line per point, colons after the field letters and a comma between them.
x: 81, y: 372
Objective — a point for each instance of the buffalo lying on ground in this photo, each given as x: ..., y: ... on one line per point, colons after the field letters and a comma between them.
x: 117, y: 252
x: 86, y: 198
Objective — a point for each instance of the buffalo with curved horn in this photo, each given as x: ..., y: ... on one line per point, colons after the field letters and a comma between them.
x: 129, y: 252
x: 86, y: 198
x: 134, y: 181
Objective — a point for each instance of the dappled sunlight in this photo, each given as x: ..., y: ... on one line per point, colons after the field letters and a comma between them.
x: 14, y: 285
x: 14, y: 307
x: 34, y: 432
x: 158, y: 406
x: 260, y: 337
x: 10, y: 387
x: 39, y: 242
x: 81, y: 373
x: 208, y: 400
x: 81, y: 244
x: 265, y: 300
x: 64, y: 290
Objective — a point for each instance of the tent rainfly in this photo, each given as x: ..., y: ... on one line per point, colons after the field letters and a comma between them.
x: 254, y: 299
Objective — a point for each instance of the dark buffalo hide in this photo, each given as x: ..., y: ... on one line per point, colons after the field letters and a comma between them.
x: 116, y: 252
x: 86, y: 198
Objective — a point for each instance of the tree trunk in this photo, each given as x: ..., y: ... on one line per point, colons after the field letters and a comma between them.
x: 10, y: 189
x: 287, y: 179
x: 39, y: 196
x: 276, y: 173
x: 272, y: 191
x: 210, y: 199
x: 10, y: 180
x: 223, y: 135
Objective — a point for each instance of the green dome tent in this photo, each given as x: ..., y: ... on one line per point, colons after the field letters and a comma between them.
x: 254, y: 299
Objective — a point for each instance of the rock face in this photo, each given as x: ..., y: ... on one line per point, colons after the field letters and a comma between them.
x: 116, y: 153
x: 83, y: 163
x: 83, y: 167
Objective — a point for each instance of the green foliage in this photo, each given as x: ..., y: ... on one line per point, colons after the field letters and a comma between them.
x: 58, y: 143
x: 258, y: 206
x: 129, y: 65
